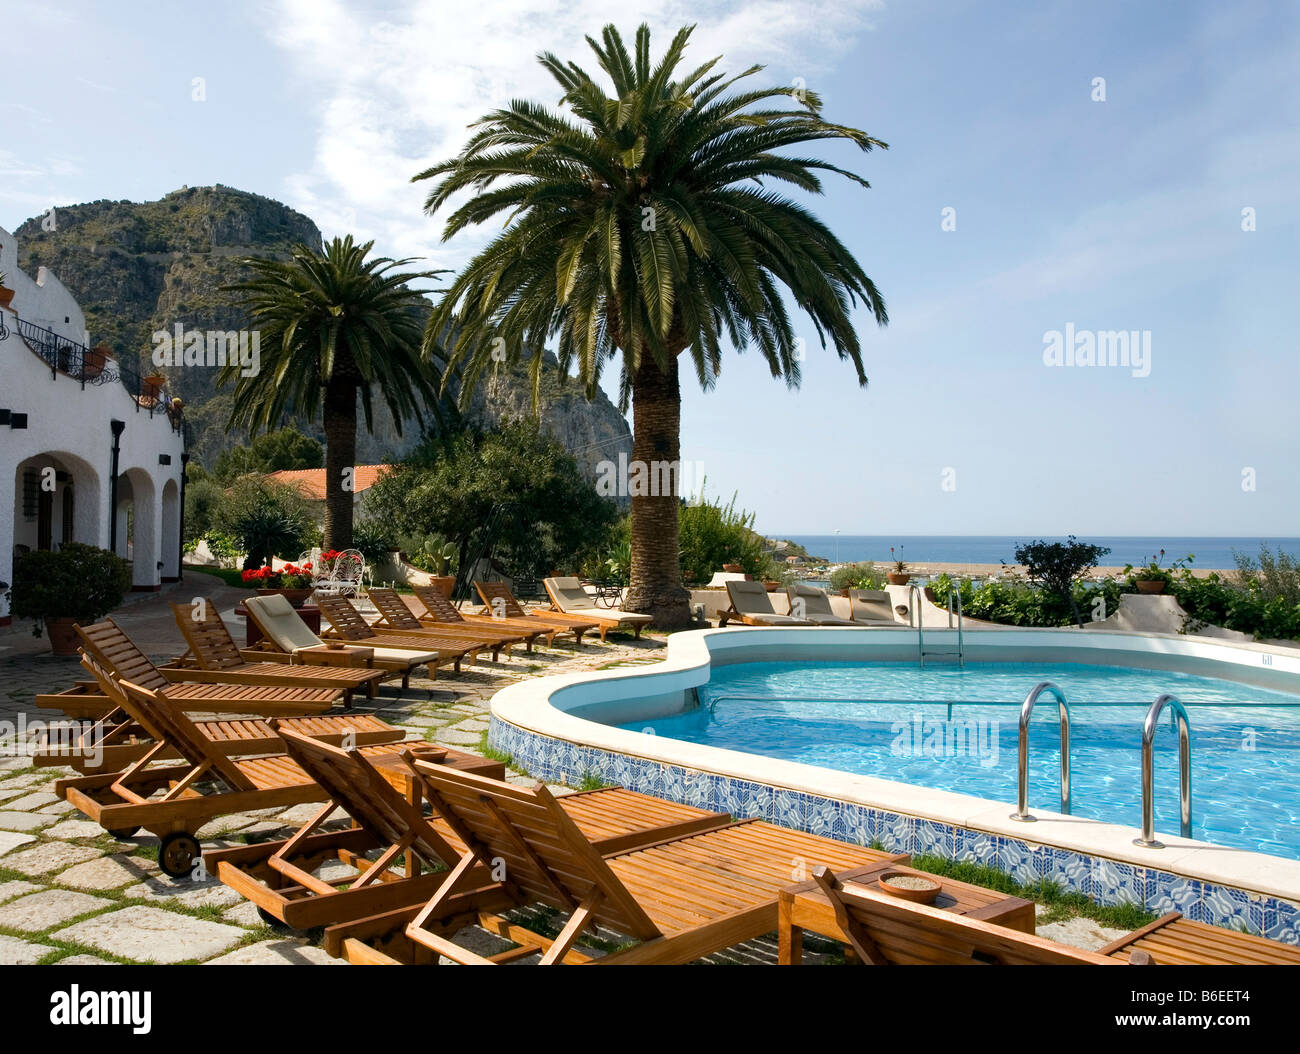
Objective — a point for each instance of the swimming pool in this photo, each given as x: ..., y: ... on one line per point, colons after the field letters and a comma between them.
x: 957, y: 730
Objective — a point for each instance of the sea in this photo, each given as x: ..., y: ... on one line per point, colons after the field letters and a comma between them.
x: 1213, y: 553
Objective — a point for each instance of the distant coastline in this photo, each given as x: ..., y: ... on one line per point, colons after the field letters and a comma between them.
x: 988, y: 552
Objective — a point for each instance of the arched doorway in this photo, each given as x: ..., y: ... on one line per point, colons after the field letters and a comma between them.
x: 56, y: 500
x: 171, y: 531
x: 138, y: 526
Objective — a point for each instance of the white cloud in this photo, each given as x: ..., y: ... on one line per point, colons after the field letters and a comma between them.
x: 396, y: 92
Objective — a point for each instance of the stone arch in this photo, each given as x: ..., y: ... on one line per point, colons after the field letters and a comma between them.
x: 139, y: 524
x: 171, y: 531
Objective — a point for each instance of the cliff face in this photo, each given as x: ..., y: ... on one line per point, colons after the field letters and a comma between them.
x: 140, y: 267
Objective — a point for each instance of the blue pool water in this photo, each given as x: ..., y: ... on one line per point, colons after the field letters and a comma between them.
x: 881, y: 719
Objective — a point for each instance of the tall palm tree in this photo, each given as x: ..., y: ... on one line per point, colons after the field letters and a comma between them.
x: 334, y: 325
x: 639, y: 223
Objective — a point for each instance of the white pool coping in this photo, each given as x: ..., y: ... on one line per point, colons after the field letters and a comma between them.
x: 545, y: 706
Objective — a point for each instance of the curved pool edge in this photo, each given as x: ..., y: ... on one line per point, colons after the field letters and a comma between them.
x: 535, y: 722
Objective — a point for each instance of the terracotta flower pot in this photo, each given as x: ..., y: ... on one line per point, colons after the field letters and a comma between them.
x: 1151, y: 587
x: 296, y: 597
x: 94, y: 362
x: 63, y: 638
x: 733, y: 569
x: 899, y: 578
x: 6, y: 296
x: 770, y: 585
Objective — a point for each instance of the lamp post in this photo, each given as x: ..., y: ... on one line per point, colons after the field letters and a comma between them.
x: 118, y: 427
x: 180, y: 542
x: 837, y: 547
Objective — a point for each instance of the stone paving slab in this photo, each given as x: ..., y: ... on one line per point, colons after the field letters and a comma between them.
x: 23, y: 821
x: 16, y: 888
x: 277, y: 953
x: 149, y: 934
x: 108, y: 872
x: 10, y: 840
x: 49, y: 856
x: 37, y: 912
x: 183, y: 891
x: 15, y: 952
x: 33, y: 801
x: 83, y: 960
x: 74, y: 829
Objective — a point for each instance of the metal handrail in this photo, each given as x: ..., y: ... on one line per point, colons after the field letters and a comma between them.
x: 914, y: 612
x: 69, y: 357
x: 961, y: 652
x: 1180, y: 719
x: 1022, y: 789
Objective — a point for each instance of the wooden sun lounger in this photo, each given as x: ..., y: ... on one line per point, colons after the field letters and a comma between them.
x: 570, y: 599
x: 751, y: 606
x: 396, y: 617
x: 174, y: 801
x: 497, y: 598
x: 114, y: 741
x: 280, y: 877
x: 886, y: 930
x: 347, y: 624
x: 214, y: 651
x: 816, y: 606
x: 439, y: 608
x: 679, y: 899
x: 284, y: 631
x: 108, y: 644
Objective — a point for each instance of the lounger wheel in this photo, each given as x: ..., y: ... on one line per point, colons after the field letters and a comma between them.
x: 123, y: 833
x: 279, y: 925
x: 177, y: 853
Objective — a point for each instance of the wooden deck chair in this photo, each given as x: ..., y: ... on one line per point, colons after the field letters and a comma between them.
x: 214, y: 651
x: 284, y: 630
x: 809, y: 602
x: 1175, y: 941
x: 499, y: 602
x: 174, y: 801
x: 569, y: 598
x: 113, y: 742
x: 885, y: 930
x: 396, y: 617
x: 871, y: 607
x: 439, y: 608
x: 109, y: 645
x: 680, y: 899
x: 281, y: 877
x: 751, y: 605
x: 349, y: 625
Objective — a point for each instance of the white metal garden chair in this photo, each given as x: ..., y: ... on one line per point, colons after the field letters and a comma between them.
x: 344, y: 575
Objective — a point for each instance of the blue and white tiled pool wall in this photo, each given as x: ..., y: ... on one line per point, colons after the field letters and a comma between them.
x: 1105, y: 881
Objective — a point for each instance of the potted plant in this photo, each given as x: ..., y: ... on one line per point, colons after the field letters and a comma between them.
x: 94, y: 361
x: 1152, y: 579
x: 292, y: 582
x: 6, y: 294
x: 77, y: 584
x: 899, y: 576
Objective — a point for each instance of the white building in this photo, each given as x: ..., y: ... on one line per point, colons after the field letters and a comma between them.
x: 65, y: 417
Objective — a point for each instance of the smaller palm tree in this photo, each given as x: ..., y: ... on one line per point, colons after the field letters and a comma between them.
x: 334, y: 326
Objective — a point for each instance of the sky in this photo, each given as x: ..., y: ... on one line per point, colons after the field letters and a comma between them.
x: 1052, y: 167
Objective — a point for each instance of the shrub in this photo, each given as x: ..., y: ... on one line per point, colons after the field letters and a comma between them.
x: 77, y: 581
x: 712, y: 534
x: 266, y: 519
x: 1058, y: 566
x: 857, y: 576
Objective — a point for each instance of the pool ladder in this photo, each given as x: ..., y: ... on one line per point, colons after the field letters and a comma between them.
x: 1178, y: 715
x: 1022, y: 787
x: 914, y: 596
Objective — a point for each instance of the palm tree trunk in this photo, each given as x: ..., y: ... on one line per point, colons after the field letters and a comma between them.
x: 340, y: 462
x: 656, y: 579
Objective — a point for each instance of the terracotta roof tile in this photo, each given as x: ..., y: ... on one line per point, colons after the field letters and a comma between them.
x: 310, y: 482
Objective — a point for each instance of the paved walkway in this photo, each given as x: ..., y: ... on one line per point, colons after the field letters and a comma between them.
x: 70, y: 893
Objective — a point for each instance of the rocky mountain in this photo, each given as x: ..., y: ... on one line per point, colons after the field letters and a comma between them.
x: 141, y: 267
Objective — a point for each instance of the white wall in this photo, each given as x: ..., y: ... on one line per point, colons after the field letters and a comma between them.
x: 72, y: 423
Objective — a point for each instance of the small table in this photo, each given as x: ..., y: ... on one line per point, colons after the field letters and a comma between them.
x: 608, y: 592
x: 399, y: 774
x: 309, y: 613
x: 352, y: 655
x: 805, y: 907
